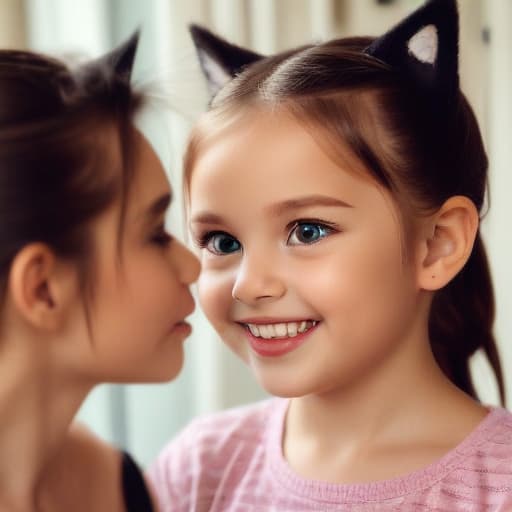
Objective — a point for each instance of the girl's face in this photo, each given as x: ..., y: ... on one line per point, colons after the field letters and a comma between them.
x: 141, y: 295
x: 304, y: 274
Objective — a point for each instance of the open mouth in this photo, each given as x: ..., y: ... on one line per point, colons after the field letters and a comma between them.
x: 280, y: 330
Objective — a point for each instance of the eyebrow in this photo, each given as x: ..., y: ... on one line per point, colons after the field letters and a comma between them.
x: 306, y: 202
x: 206, y: 218
x: 158, y: 206
x: 279, y: 208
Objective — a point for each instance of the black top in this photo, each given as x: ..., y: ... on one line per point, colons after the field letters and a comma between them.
x: 136, y: 495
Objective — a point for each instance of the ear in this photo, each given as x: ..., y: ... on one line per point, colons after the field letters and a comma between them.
x: 220, y: 61
x: 120, y: 60
x: 424, y: 48
x: 41, y: 287
x: 123, y: 56
x: 448, y: 242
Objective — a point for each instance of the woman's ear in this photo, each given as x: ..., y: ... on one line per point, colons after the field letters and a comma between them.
x: 41, y: 287
x: 448, y: 242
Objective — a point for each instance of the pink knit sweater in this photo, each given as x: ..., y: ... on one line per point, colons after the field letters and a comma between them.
x: 232, y: 461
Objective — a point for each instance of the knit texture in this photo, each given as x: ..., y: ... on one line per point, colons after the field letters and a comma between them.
x: 232, y: 461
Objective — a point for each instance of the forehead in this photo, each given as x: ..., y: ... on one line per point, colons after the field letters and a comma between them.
x: 269, y: 154
x: 149, y: 177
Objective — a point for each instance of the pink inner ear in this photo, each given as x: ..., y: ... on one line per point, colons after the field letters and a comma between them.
x: 216, y: 73
x: 423, y: 45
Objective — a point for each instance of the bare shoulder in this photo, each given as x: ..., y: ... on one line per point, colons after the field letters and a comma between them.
x: 101, y: 467
x: 87, y: 473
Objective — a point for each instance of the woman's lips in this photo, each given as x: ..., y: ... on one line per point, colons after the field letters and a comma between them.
x: 188, y: 307
x: 181, y: 329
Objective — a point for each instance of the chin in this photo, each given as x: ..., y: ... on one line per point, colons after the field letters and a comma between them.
x: 158, y: 372
x: 169, y: 373
x: 281, y: 386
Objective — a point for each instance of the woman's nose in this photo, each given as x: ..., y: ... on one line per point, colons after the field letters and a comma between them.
x: 187, y: 264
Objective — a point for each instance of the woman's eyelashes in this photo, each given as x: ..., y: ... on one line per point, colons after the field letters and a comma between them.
x: 160, y: 236
x: 299, y: 232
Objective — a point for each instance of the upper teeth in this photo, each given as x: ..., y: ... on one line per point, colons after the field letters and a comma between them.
x: 283, y: 330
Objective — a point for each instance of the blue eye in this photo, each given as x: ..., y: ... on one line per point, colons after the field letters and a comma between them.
x: 306, y: 233
x: 222, y: 243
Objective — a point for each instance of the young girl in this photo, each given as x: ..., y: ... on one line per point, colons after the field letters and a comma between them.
x: 92, y: 287
x: 334, y: 192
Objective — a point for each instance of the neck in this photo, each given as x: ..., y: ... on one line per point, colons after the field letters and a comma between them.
x: 37, y: 405
x: 408, y: 395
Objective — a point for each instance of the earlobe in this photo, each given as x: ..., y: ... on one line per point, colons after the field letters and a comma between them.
x: 447, y: 247
x: 37, y: 288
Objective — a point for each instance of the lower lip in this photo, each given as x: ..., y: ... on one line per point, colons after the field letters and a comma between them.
x: 181, y: 329
x: 277, y: 346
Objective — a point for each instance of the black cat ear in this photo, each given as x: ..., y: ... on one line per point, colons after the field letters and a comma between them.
x: 220, y: 61
x: 424, y: 47
x: 114, y: 66
x: 121, y: 59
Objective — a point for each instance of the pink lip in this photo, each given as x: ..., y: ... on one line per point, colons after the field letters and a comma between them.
x: 181, y: 329
x: 276, y: 347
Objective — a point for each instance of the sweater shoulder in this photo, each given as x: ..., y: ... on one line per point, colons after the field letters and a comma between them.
x: 214, y: 433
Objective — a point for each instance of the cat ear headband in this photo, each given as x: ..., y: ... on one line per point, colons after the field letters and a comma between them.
x: 423, y: 47
x: 220, y: 61
x: 119, y: 60
x: 123, y: 57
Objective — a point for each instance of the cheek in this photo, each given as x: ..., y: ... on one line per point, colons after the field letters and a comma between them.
x: 154, y: 298
x: 148, y: 276
x: 359, y: 276
x: 214, y: 293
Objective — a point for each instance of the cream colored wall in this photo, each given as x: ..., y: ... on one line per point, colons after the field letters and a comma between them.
x: 12, y: 24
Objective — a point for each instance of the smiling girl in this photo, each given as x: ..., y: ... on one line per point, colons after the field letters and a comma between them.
x: 334, y: 194
x: 92, y: 287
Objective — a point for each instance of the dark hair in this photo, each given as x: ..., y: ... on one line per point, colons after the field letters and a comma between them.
x: 58, y: 165
x: 421, y: 154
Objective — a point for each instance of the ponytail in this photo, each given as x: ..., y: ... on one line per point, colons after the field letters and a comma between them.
x: 461, y: 322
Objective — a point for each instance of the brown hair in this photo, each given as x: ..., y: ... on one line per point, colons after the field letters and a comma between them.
x: 56, y: 163
x: 423, y: 154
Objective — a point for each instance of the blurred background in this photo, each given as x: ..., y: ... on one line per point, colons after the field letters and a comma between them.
x: 141, y: 418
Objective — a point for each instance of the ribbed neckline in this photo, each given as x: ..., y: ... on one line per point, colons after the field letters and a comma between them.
x: 371, y: 491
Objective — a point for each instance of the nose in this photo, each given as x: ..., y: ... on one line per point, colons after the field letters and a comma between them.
x: 186, y: 263
x: 258, y: 278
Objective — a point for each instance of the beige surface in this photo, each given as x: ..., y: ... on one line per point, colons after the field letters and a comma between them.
x: 12, y: 24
